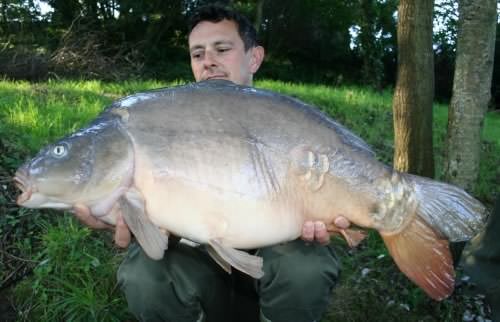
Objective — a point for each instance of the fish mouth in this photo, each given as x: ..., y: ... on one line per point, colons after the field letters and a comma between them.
x: 22, y: 183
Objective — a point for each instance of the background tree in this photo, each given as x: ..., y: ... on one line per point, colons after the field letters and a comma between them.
x: 471, y: 89
x: 316, y: 32
x: 332, y: 42
x: 259, y: 7
x: 414, y: 92
x: 65, y: 11
x: 376, y: 24
x: 477, y: 24
x: 445, y: 43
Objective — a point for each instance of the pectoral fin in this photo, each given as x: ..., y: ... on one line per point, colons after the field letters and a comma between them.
x: 353, y: 237
x: 249, y: 264
x: 218, y: 259
x: 152, y: 240
x: 424, y: 256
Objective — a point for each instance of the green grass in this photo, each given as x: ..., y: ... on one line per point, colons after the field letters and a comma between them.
x: 39, y: 113
x: 73, y: 280
x: 68, y: 273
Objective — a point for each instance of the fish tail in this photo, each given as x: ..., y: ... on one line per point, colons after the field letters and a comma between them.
x: 448, y: 208
x: 441, y: 213
x: 424, y: 256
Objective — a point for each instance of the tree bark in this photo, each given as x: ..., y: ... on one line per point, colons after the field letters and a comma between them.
x: 3, y: 9
x: 414, y: 92
x: 258, y: 15
x: 372, y: 70
x: 471, y: 90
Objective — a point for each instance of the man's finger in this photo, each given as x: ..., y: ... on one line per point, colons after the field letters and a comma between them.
x: 308, y: 231
x: 342, y: 222
x: 122, y: 233
x: 321, y: 234
x: 82, y: 213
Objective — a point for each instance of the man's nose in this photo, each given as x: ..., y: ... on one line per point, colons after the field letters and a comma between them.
x: 209, y: 60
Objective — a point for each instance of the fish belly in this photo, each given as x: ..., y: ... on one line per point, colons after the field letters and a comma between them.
x: 200, y: 208
x: 200, y: 215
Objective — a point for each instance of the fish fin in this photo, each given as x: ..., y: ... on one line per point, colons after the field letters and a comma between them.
x: 353, y: 236
x: 424, y: 256
x: 152, y: 240
x: 243, y: 261
x: 352, y: 140
x: 448, y: 208
x: 218, y: 259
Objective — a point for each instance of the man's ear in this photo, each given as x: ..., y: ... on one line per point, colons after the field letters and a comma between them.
x: 257, y: 58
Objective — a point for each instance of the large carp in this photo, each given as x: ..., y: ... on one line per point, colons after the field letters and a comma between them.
x: 235, y: 167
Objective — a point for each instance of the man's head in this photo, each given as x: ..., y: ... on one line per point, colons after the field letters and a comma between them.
x: 223, y: 44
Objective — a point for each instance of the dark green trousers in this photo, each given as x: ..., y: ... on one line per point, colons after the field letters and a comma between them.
x: 187, y: 284
x: 481, y: 261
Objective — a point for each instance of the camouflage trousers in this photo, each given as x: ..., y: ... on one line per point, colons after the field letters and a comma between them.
x: 187, y: 285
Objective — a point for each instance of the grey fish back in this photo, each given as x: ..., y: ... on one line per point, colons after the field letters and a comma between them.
x: 222, y: 98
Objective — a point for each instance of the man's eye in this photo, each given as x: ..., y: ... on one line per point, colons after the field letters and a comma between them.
x: 222, y: 50
x: 196, y: 55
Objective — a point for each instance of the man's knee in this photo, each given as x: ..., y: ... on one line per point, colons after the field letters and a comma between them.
x: 151, y: 292
x: 298, y: 281
x: 315, y: 274
x: 174, y: 288
x: 310, y: 262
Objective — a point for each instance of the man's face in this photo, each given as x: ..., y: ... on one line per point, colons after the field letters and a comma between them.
x: 217, y: 51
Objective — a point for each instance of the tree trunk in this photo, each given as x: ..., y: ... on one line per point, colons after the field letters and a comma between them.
x: 414, y: 92
x: 4, y: 18
x: 65, y: 12
x: 372, y: 71
x: 258, y: 15
x: 471, y: 90
x: 92, y: 10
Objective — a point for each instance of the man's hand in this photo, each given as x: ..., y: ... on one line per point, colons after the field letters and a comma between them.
x: 122, y: 233
x: 316, y: 231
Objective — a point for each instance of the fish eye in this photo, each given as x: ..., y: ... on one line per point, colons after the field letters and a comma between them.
x: 59, y: 151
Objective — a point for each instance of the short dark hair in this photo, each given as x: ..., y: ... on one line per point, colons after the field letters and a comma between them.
x: 216, y: 13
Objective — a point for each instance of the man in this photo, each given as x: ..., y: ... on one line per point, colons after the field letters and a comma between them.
x: 187, y: 285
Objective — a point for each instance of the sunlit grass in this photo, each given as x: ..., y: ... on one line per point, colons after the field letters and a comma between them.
x: 41, y: 113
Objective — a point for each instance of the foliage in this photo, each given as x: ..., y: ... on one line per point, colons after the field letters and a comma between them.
x: 74, y: 277
x: 383, y: 293
x: 375, y: 42
x: 69, y: 272
x: 348, y: 41
x: 17, y: 227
